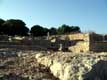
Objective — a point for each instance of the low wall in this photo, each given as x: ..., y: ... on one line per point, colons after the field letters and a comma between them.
x: 79, y: 36
x: 4, y: 38
x: 82, y: 46
x: 96, y: 37
x: 99, y: 47
x: 35, y: 44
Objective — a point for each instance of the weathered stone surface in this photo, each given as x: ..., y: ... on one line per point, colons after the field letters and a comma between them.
x: 63, y: 65
x: 98, y: 71
x: 79, y: 36
x: 69, y: 66
x: 81, y: 46
x: 24, y: 67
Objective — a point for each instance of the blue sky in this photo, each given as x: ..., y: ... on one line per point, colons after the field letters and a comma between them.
x: 90, y: 15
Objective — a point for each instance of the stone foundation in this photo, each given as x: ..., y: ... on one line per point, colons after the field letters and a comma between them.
x: 80, y: 47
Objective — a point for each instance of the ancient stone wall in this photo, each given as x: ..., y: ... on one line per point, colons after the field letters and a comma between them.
x: 82, y: 42
x: 88, y: 42
x: 99, y: 47
x: 79, y: 36
x: 98, y: 43
x: 81, y: 46
x: 96, y: 37
x: 78, y: 42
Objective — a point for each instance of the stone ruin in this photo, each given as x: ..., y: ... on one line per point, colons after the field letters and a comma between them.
x: 87, y: 42
x: 75, y: 42
x: 83, y: 42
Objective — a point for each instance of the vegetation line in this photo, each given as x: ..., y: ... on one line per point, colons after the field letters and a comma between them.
x: 18, y: 27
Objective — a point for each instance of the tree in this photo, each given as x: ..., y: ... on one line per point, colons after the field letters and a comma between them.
x: 37, y: 30
x: 53, y: 31
x: 45, y: 31
x: 1, y: 25
x: 1, y: 21
x: 64, y: 29
x: 15, y: 27
x: 75, y: 29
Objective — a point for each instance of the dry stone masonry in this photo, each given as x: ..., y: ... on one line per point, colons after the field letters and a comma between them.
x: 69, y: 66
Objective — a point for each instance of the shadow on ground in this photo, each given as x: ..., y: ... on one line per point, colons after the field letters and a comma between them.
x: 98, y: 71
x: 12, y: 76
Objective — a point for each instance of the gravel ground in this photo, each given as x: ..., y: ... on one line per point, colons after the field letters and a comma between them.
x: 23, y: 67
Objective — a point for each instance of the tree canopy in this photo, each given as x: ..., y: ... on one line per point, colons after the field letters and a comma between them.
x: 18, y: 27
x: 37, y: 30
x: 53, y: 31
x: 14, y: 27
x: 1, y: 25
x: 67, y: 29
